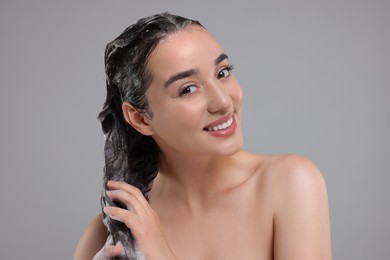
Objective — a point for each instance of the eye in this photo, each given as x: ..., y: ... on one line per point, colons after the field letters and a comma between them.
x: 224, y: 72
x: 187, y: 90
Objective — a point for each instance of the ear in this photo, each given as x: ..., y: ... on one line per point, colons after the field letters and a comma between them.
x: 136, y: 119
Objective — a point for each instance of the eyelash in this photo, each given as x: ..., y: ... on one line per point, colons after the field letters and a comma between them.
x: 228, y: 68
x: 184, y: 92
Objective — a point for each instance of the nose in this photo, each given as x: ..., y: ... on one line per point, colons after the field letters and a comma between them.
x: 218, y: 98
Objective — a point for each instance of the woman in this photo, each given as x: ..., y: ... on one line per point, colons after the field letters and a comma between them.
x: 173, y: 135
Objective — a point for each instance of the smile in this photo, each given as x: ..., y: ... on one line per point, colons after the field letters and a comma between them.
x: 222, y: 126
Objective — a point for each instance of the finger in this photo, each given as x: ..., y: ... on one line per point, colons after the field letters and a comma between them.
x: 112, y: 251
x: 132, y: 202
x: 127, y: 217
x: 109, y: 241
x: 120, y: 185
x: 109, y: 251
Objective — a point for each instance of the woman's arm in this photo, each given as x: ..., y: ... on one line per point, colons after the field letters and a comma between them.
x: 140, y: 218
x: 301, y: 220
x: 92, y: 240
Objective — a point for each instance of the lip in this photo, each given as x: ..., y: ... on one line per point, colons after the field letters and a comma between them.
x: 219, y: 121
x: 223, y: 132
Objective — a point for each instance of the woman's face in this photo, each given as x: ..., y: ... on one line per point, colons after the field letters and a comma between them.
x: 194, y: 97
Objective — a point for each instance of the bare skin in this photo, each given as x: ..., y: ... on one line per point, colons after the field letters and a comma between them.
x: 211, y: 200
x: 92, y: 240
x: 274, y: 207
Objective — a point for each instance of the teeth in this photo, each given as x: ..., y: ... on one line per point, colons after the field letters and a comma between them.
x: 221, y: 126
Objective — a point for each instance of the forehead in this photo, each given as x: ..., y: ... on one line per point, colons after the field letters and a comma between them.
x: 189, y: 48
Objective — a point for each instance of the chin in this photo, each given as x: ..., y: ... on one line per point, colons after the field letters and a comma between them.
x: 231, y: 148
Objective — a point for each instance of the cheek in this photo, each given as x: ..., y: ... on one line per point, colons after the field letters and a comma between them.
x: 177, y: 117
x: 236, y: 95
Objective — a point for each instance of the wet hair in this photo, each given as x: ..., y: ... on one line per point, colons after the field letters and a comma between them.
x: 129, y: 155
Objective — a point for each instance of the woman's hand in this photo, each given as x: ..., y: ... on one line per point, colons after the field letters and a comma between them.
x: 140, y: 218
x: 109, y: 250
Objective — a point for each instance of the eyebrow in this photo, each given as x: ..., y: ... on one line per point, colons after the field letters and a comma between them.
x: 178, y: 76
x: 190, y: 72
x: 220, y: 58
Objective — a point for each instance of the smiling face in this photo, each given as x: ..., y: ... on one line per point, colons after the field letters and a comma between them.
x: 194, y: 97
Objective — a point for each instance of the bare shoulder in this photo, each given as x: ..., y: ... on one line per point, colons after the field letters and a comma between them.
x: 292, y: 179
x: 288, y: 171
x: 282, y: 173
x: 300, y: 206
x: 289, y: 167
x: 92, y: 239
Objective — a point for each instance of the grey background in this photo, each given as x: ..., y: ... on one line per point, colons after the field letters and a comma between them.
x: 316, y: 80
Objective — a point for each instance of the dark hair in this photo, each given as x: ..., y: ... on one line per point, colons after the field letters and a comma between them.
x: 129, y: 155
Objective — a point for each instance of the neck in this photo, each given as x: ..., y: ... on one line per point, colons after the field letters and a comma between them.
x: 193, y: 179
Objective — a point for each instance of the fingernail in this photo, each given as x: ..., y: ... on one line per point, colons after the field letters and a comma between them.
x: 110, y: 241
x: 123, y: 253
x: 107, y: 210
